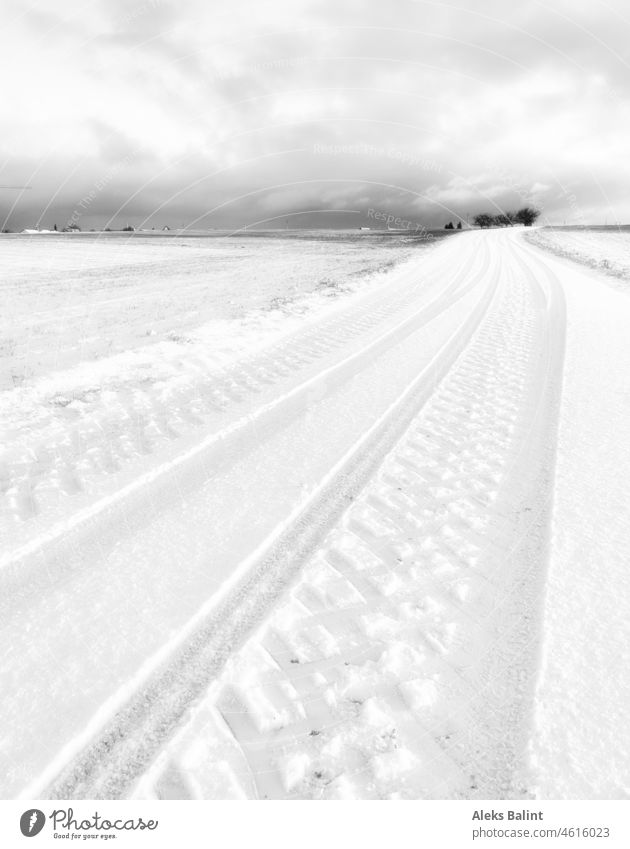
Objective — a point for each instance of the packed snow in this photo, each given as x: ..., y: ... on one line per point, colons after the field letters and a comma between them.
x: 337, y: 516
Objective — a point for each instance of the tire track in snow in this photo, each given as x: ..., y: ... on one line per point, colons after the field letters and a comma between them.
x: 402, y: 661
x: 56, y: 549
x: 106, y: 452
x: 122, y: 750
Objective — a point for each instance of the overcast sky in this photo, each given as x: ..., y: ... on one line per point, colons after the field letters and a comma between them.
x: 252, y: 113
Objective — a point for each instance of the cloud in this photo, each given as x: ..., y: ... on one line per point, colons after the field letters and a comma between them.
x: 203, y: 113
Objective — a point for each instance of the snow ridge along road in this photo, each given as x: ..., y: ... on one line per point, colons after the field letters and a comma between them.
x: 400, y: 450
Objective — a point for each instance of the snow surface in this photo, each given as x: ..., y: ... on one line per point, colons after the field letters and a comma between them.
x: 605, y: 249
x: 401, y: 663
x: 581, y: 748
x: 351, y: 523
x: 109, y: 347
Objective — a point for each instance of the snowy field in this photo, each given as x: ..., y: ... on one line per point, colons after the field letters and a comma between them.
x: 605, y: 249
x: 69, y: 299
x: 320, y: 517
x: 111, y: 345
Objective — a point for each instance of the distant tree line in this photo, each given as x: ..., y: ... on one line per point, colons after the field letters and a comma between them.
x: 527, y: 215
x: 450, y: 226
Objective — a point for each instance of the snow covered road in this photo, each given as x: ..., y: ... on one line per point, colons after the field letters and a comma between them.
x: 125, y: 575
x: 333, y: 586
x: 402, y: 662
